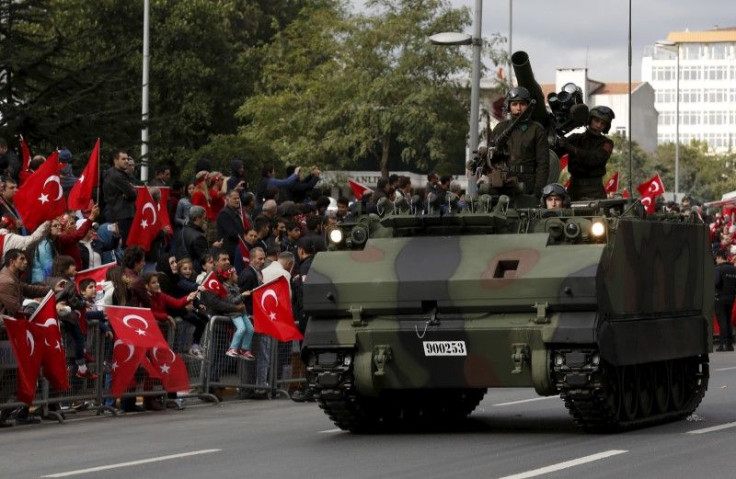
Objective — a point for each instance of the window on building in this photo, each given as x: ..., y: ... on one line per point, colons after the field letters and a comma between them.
x: 621, y: 131
x: 691, y: 51
x: 691, y: 73
x: 665, y: 95
x: 716, y: 95
x: 716, y: 72
x: 691, y: 96
x: 718, y: 51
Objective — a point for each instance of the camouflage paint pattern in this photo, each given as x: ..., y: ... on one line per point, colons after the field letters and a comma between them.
x: 643, y: 293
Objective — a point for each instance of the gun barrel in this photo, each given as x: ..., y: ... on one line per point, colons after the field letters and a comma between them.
x: 525, y: 78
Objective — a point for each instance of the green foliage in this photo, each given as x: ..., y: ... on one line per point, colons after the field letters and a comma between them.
x: 338, y: 89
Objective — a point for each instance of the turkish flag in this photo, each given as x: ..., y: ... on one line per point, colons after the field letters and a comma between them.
x: 358, y: 189
x: 625, y: 194
x: 81, y: 193
x: 567, y: 184
x: 213, y: 285
x: 564, y: 160
x: 98, y: 274
x: 170, y: 369
x: 41, y: 197
x: 28, y: 355
x: 612, y: 184
x: 146, y: 222
x: 649, y: 203
x: 26, y: 153
x: 135, y: 326
x: 125, y: 361
x: 163, y: 211
x: 652, y: 187
x: 497, y: 108
x: 54, y: 356
x: 272, y: 313
x: 244, y: 251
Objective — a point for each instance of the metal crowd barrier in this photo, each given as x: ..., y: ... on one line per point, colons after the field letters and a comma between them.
x: 277, y: 371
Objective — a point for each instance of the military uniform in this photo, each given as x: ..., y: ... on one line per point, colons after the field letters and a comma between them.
x: 527, y: 154
x: 725, y: 278
x: 588, y: 155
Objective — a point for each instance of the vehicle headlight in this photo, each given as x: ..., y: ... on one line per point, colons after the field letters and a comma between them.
x: 336, y: 236
x: 598, y: 229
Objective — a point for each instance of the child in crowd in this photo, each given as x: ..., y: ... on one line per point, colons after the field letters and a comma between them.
x: 240, y: 344
x: 186, y: 285
x: 163, y: 305
x: 71, y: 307
x: 208, y: 266
x: 88, y: 289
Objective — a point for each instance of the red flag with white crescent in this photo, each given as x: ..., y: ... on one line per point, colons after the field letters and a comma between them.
x: 213, y: 285
x: 125, y: 361
x: 49, y: 338
x: 652, y: 187
x: 169, y: 367
x: 81, y: 193
x: 98, y: 273
x: 612, y: 184
x: 135, y: 326
x: 272, y: 313
x: 26, y: 153
x: 146, y: 222
x: 649, y: 203
x: 359, y: 189
x: 41, y: 197
x: 28, y: 356
x: 161, y: 208
x: 564, y: 160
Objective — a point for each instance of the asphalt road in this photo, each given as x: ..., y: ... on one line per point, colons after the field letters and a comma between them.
x: 512, y: 434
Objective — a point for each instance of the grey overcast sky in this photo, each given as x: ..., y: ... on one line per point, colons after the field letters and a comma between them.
x: 576, y: 34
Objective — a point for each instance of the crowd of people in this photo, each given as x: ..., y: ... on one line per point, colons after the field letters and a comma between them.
x: 219, y: 225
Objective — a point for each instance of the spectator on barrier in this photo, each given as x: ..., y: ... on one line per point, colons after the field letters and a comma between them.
x: 201, y: 194
x: 116, y: 288
x: 119, y: 193
x: 32, y: 167
x: 12, y: 291
x: 134, y: 259
x: 163, y: 306
x: 88, y: 290
x: 241, y: 341
x: 193, y: 242
x: 71, y: 306
x: 217, y: 194
x: 66, y: 174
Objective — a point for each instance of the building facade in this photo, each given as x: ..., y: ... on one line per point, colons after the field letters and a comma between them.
x: 707, y: 87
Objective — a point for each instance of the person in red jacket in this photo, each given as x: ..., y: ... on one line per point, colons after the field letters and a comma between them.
x: 164, y: 306
x: 70, y: 235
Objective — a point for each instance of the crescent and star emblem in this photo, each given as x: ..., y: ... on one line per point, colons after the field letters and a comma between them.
x: 31, y: 342
x: 44, y: 198
x: 131, y: 350
x: 653, y: 187
x: 130, y: 317
x: 269, y: 294
x: 213, y: 284
x: 49, y: 322
x: 646, y: 201
x: 164, y: 367
x: 145, y: 223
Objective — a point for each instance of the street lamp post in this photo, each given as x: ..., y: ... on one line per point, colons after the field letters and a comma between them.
x: 452, y: 38
x: 675, y: 48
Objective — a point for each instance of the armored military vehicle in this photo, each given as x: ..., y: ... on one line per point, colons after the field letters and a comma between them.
x: 415, y: 315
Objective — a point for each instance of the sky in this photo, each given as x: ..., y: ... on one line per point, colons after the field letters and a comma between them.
x: 566, y: 34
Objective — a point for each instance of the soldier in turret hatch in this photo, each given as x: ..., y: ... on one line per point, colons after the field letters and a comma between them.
x: 589, y: 152
x: 526, y: 153
x: 725, y: 277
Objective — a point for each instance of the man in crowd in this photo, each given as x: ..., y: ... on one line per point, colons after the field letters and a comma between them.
x: 230, y: 223
x: 725, y: 278
x: 119, y: 194
x: 193, y: 243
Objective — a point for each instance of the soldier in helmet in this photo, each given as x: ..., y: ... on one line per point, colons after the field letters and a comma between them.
x: 589, y: 152
x: 527, y: 150
x: 554, y: 197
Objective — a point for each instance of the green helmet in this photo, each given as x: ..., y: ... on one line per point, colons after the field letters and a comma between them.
x: 602, y: 113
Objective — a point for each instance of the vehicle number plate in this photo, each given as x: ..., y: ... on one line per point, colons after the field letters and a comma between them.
x: 445, y: 348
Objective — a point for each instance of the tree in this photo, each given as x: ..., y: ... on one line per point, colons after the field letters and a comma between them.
x: 339, y: 88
